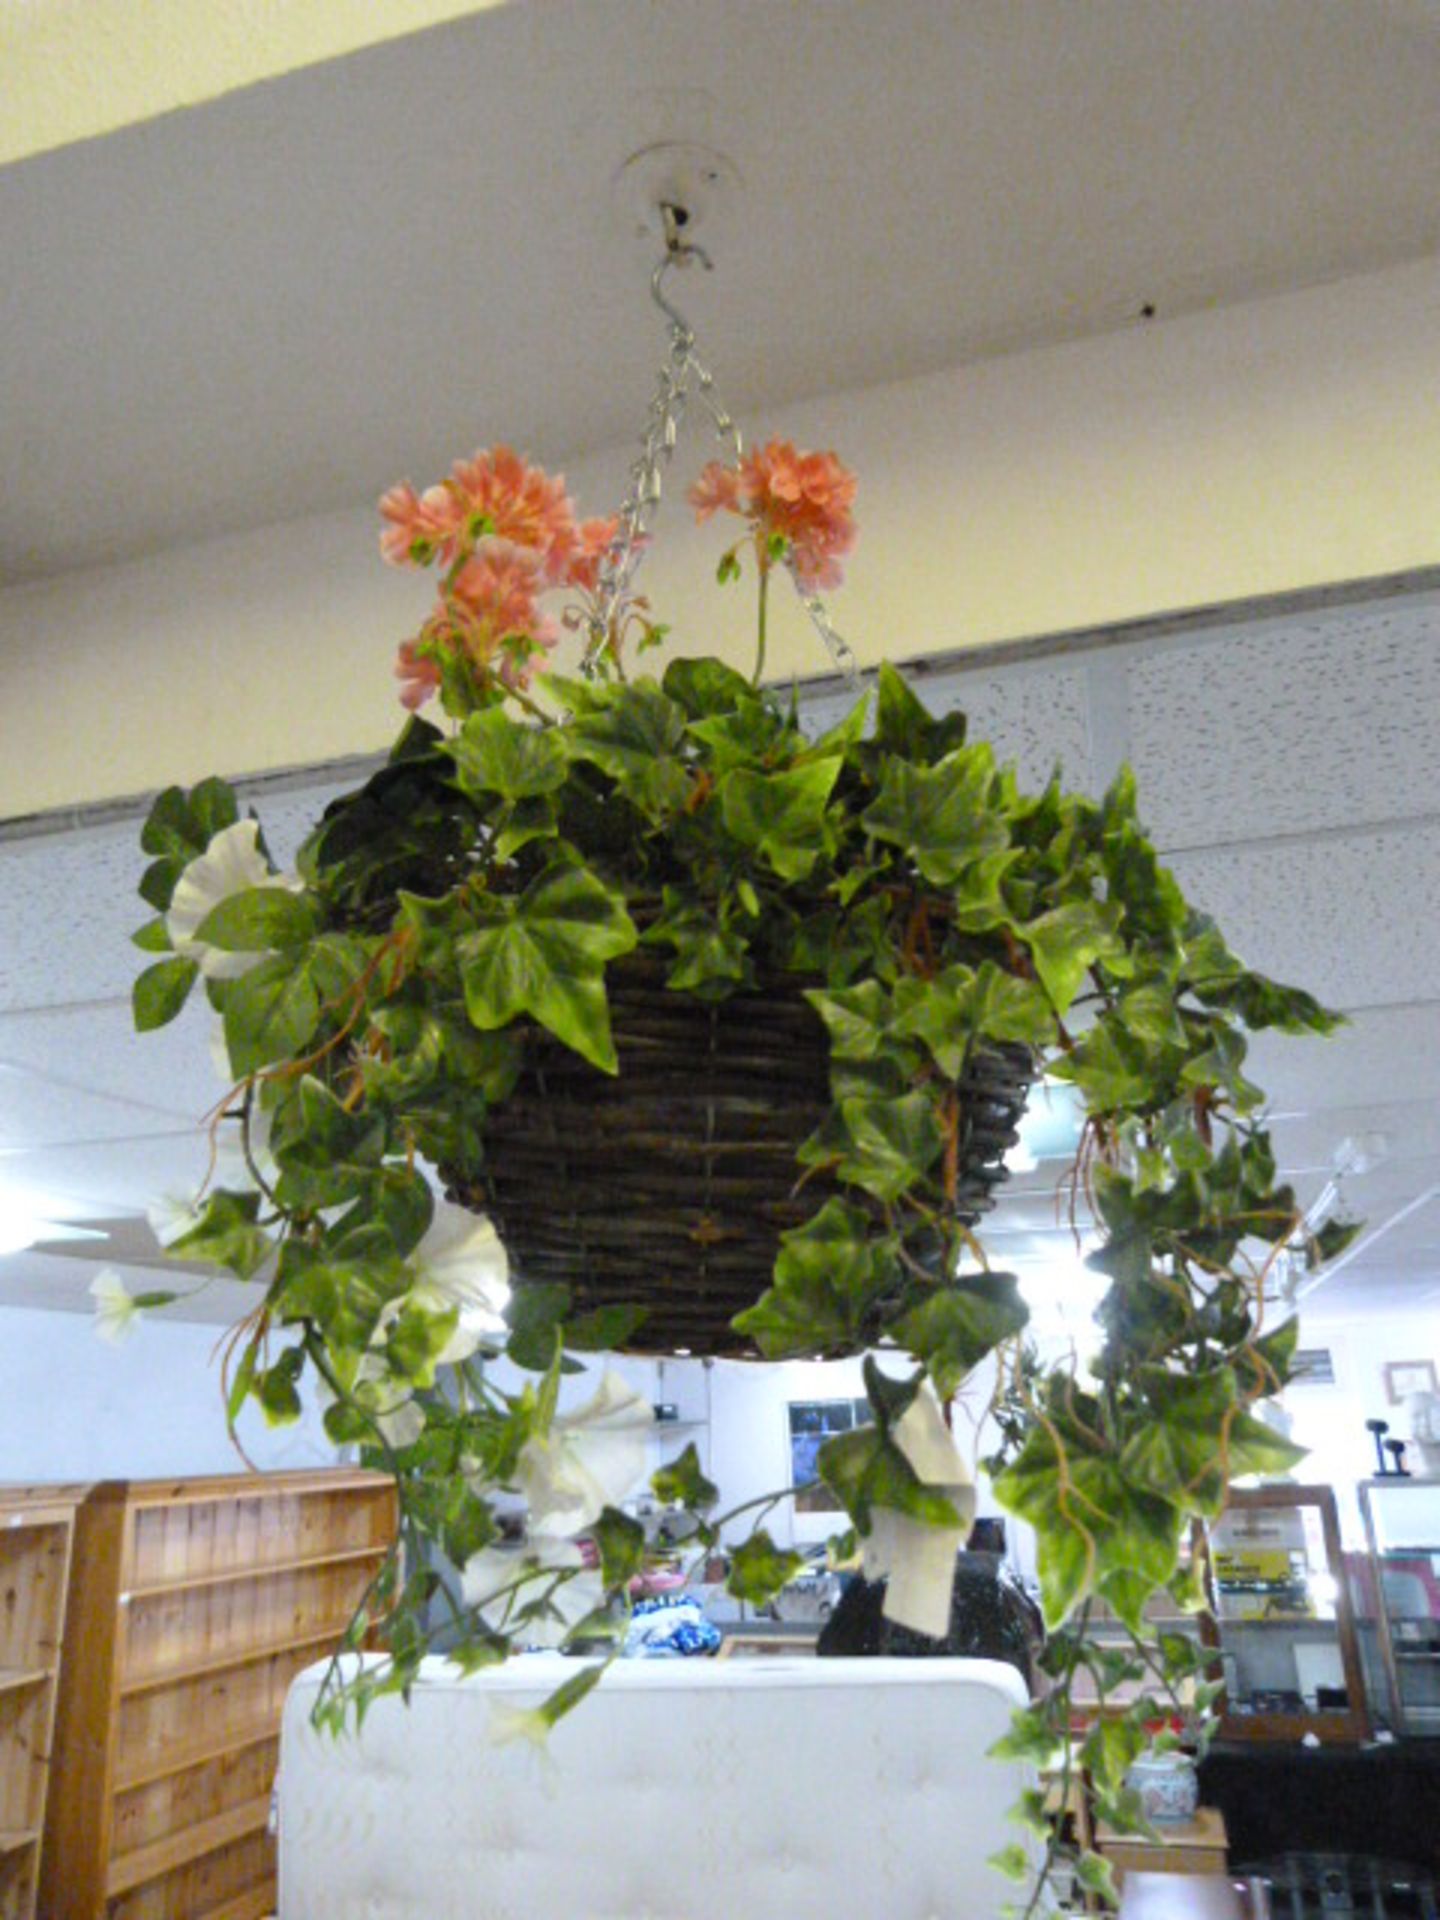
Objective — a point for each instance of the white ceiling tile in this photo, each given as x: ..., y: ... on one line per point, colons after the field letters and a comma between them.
x: 1034, y: 714
x: 114, y: 1176
x: 1384, y: 1056
x: 1289, y: 726
x: 97, y: 1047
x: 1352, y: 918
x: 70, y: 908
x: 36, y: 1112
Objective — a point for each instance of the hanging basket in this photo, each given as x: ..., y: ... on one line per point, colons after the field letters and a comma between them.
x: 668, y: 1185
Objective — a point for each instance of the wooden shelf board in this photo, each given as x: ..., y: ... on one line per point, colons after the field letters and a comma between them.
x: 300, y: 1483
x: 13, y: 1678
x: 224, y: 1662
x: 15, y: 1839
x: 233, y: 1576
x: 178, y: 1849
x: 180, y: 1759
x: 253, y: 1904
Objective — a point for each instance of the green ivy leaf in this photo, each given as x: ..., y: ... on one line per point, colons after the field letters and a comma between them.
x: 780, y: 815
x: 681, y: 1483
x: 226, y: 1235
x: 621, y: 1541
x: 271, y: 1012
x: 494, y: 754
x: 865, y: 1469
x: 955, y: 1326
x: 949, y: 1013
x: 606, y: 1329
x: 258, y: 919
x: 890, y: 1144
x: 634, y: 733
x: 1067, y: 941
x: 828, y: 1276
x: 535, y: 1316
x: 704, y: 687
x: 939, y: 815
x: 1012, y: 1860
x: 544, y: 955
x: 161, y: 991
x: 275, y: 1388
x: 153, y: 937
x: 759, y: 1569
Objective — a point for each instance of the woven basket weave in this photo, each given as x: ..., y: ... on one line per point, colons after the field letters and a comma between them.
x: 669, y: 1185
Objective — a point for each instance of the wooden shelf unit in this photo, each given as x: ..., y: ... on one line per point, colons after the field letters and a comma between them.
x: 36, y: 1536
x: 200, y: 1602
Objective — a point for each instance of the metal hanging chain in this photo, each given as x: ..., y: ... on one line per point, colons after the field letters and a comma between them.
x: 618, y: 564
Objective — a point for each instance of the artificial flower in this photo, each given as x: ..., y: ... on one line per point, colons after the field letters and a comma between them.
x: 489, y: 614
x: 503, y: 495
x: 419, y: 526
x: 418, y: 675
x: 592, y: 540
x: 588, y: 1460
x: 462, y: 1264
x: 800, y: 499
x: 116, y: 1308
x: 231, y: 864
x: 553, y: 1570
x: 915, y: 1559
x: 170, y: 1218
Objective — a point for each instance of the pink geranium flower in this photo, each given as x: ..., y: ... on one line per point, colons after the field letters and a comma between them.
x: 582, y: 566
x: 418, y: 675
x: 803, y: 499
x: 419, y: 527
x: 489, y: 611
x: 517, y: 502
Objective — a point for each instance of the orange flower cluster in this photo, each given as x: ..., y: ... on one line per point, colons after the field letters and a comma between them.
x: 506, y: 533
x: 800, y: 499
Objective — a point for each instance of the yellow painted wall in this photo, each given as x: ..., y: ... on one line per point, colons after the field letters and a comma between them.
x: 1270, y: 447
x: 72, y: 69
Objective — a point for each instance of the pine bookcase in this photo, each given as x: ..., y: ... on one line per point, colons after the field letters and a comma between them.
x: 194, y: 1603
x: 36, y: 1534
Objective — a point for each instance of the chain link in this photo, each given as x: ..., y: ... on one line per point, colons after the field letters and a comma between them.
x: 645, y: 487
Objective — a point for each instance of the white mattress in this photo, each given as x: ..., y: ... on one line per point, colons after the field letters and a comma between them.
x: 765, y: 1789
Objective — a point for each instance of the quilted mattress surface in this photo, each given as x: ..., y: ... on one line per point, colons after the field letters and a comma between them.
x: 771, y: 1789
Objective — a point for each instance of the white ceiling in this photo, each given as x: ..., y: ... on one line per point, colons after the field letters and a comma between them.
x: 1288, y: 767
x: 268, y: 305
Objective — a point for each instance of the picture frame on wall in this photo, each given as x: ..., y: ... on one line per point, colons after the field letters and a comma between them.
x: 1404, y: 1378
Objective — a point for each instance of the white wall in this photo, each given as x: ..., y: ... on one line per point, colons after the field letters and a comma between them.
x: 1277, y: 445
x: 750, y: 1436
x: 74, y: 1408
x: 1330, y: 1421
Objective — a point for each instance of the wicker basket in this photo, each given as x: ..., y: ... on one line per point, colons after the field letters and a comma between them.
x: 669, y: 1185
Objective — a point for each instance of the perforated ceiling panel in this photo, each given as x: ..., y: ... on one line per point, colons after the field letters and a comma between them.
x: 54, y: 887
x: 1352, y: 918
x: 1289, y: 726
x: 1036, y: 715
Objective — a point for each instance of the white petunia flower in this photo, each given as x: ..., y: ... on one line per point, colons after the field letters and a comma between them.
x: 171, y: 1217
x: 115, y: 1311
x: 589, y: 1459
x: 462, y: 1264
x: 489, y: 1580
x: 232, y: 863
x: 918, y: 1560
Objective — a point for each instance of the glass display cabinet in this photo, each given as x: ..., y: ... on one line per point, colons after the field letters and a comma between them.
x: 1284, y: 1618
x: 1402, y: 1531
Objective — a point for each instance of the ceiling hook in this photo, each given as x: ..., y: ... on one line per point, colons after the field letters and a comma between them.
x: 678, y: 252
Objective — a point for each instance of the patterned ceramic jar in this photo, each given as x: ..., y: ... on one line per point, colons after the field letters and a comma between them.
x: 1166, y: 1784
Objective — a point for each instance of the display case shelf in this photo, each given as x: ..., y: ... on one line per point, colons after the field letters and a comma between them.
x: 1402, y: 1536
